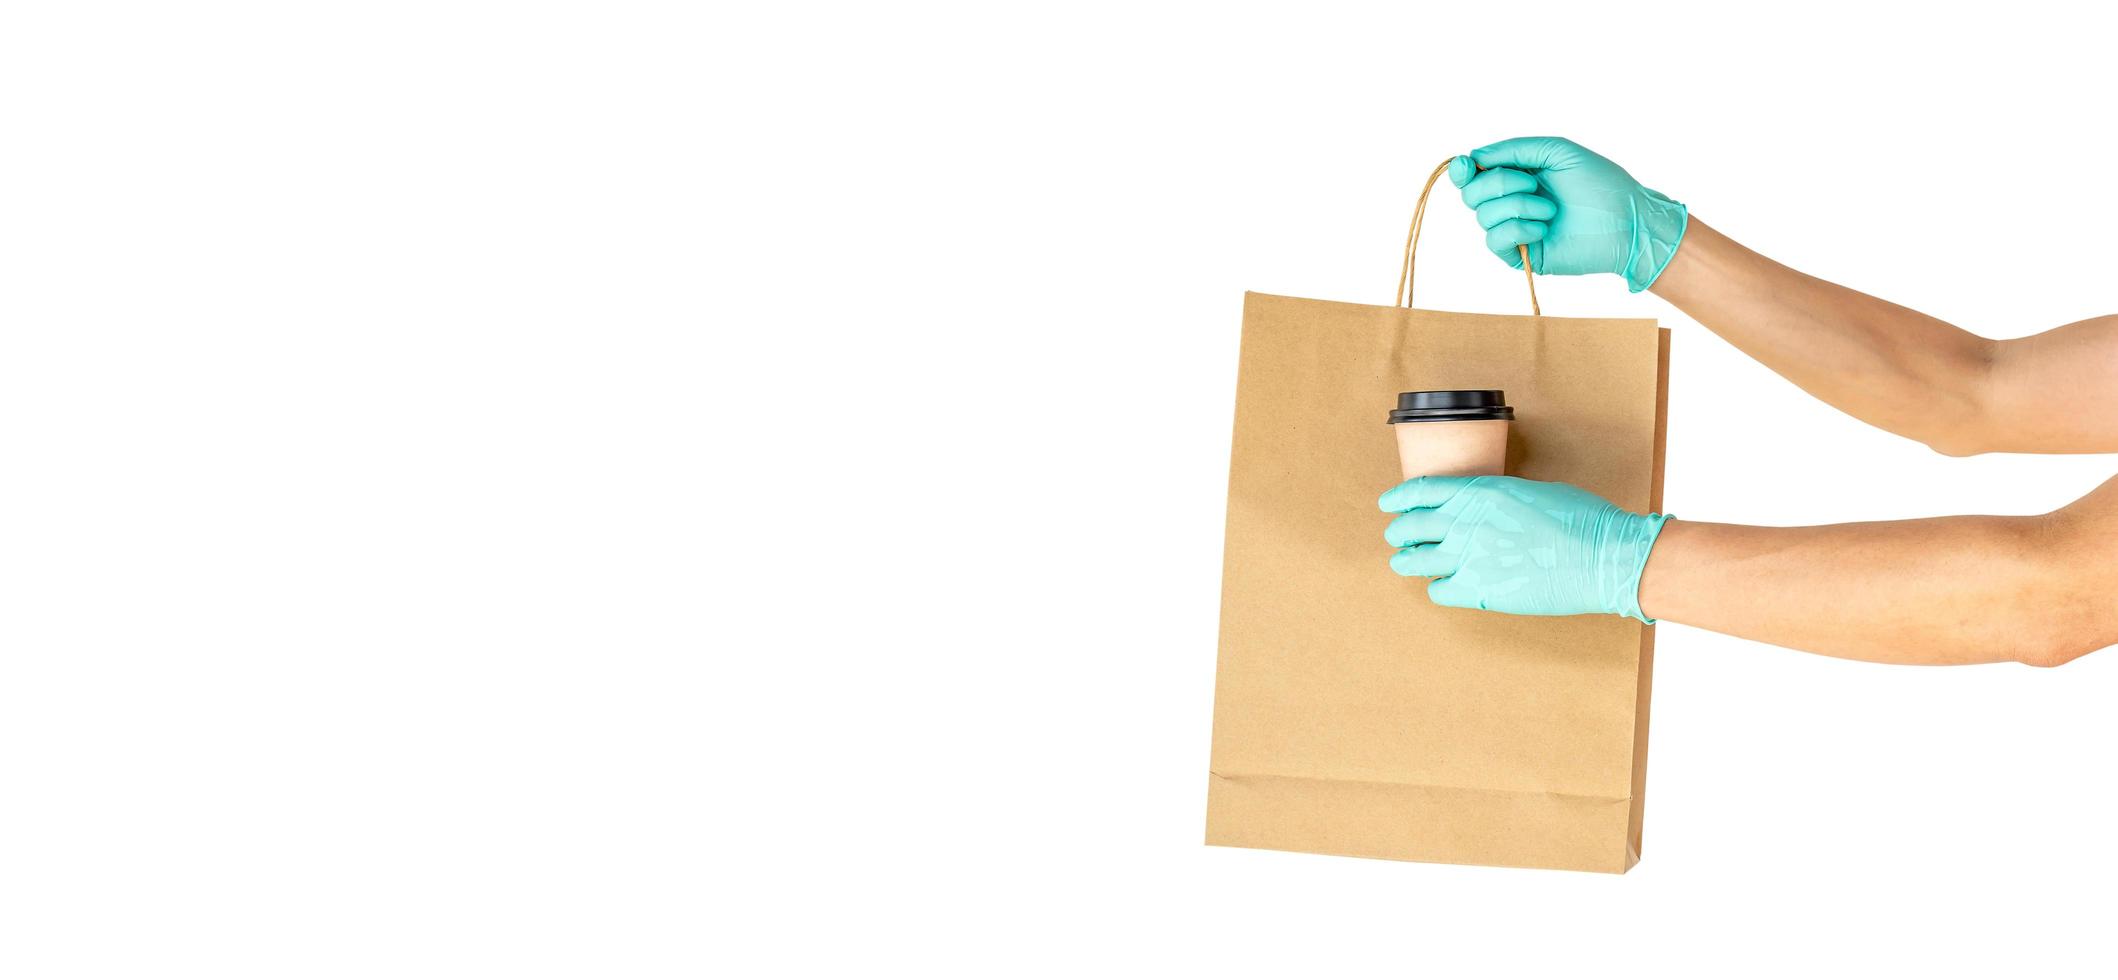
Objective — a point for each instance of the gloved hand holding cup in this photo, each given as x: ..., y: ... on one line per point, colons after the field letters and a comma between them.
x: 1520, y: 546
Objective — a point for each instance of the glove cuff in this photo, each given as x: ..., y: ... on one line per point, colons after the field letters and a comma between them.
x: 1658, y: 228
x: 1635, y: 541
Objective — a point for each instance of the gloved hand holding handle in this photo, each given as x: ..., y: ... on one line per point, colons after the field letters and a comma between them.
x: 1577, y: 212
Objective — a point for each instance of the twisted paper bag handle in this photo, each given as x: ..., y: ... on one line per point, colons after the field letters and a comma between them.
x: 1419, y: 212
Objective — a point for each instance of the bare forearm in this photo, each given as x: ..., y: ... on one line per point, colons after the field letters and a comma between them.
x: 1950, y: 590
x: 1892, y: 367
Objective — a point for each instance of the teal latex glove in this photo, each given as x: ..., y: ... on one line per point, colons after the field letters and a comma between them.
x: 1520, y: 546
x: 1578, y: 212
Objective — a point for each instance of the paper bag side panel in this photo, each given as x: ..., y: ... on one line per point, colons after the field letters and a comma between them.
x: 1647, y: 636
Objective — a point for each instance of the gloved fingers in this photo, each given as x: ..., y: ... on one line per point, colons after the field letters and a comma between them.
x: 1526, y: 153
x: 1425, y: 491
x: 1450, y: 592
x: 1420, y: 526
x: 1424, y: 561
x: 1502, y: 238
x: 1461, y: 170
x: 1496, y: 184
x: 1534, y: 207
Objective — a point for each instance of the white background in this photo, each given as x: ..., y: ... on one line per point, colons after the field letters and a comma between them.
x: 642, y: 490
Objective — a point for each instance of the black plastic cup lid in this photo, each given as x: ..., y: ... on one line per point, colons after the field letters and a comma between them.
x: 1465, y: 405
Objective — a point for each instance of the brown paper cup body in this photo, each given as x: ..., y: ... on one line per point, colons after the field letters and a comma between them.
x: 1452, y: 448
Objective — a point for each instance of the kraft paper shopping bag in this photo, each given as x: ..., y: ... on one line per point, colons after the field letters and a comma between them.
x: 1353, y: 716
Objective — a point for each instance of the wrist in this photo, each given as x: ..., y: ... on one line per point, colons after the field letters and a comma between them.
x: 1660, y: 591
x: 1630, y: 544
x: 1658, y: 229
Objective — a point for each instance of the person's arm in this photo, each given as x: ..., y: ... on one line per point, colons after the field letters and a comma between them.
x: 1578, y: 213
x: 1899, y: 369
x: 1948, y: 590
x: 1942, y: 591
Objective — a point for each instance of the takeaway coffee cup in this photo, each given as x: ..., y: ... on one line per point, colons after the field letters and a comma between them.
x: 1452, y: 433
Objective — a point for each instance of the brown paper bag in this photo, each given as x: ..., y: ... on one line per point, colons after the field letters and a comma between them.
x: 1353, y: 716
